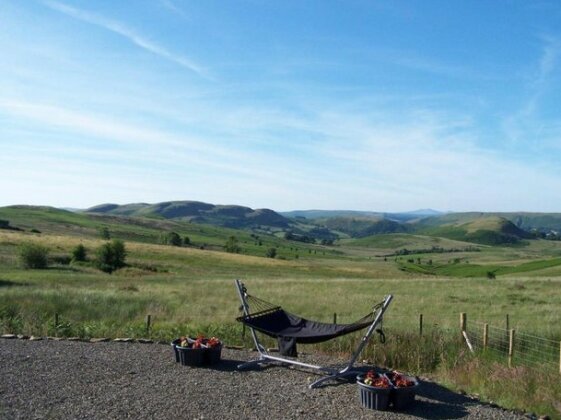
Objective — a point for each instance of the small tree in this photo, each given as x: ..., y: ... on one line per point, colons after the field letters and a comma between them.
x: 186, y: 241
x: 491, y: 275
x: 232, y: 245
x: 79, y: 253
x: 104, y: 233
x: 119, y: 253
x: 104, y: 258
x: 171, y: 238
x: 111, y: 256
x: 271, y: 253
x: 33, y: 255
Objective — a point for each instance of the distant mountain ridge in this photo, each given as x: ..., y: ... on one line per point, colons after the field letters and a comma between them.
x: 232, y: 216
x: 323, y: 214
x: 476, y: 227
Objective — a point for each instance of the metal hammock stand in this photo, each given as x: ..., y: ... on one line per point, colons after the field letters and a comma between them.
x: 275, y: 322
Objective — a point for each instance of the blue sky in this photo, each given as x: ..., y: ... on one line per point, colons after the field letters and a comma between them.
x: 364, y: 105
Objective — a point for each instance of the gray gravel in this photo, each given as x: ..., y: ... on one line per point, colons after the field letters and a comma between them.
x: 62, y: 379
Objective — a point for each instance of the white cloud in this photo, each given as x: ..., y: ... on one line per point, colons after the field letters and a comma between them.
x: 168, y: 4
x: 362, y: 165
x: 525, y: 125
x: 357, y: 161
x: 130, y: 34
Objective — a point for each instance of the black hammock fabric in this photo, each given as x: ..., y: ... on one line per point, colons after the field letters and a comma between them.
x: 277, y: 323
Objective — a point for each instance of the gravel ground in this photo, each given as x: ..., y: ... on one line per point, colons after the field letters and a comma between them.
x: 64, y: 379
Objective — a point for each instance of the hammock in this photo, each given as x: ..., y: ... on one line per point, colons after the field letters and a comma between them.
x: 276, y: 322
x: 290, y: 329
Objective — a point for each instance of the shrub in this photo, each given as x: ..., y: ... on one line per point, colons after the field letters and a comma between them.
x: 33, y: 255
x: 79, y: 253
x: 170, y: 238
x: 5, y: 224
x: 111, y: 256
x: 271, y: 253
x: 119, y: 252
x: 232, y: 245
x: 104, y: 232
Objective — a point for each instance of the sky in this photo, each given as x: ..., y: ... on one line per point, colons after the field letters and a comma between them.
x: 382, y: 105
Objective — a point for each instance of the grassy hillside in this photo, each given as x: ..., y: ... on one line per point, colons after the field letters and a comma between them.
x: 488, y: 230
x: 48, y: 220
x: 523, y: 220
x: 359, y: 227
x: 361, y: 260
x: 222, y: 215
x: 398, y: 241
x: 459, y: 268
x: 474, y: 227
x: 328, y: 214
x: 188, y: 290
x: 182, y: 284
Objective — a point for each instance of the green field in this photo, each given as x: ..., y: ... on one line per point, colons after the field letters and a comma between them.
x: 437, y: 277
x: 191, y: 290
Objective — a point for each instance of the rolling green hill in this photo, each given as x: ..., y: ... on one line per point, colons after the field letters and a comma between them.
x: 399, y: 241
x: 542, y: 222
x: 328, y: 214
x: 360, y: 227
x: 459, y: 269
x: 474, y: 227
x: 488, y: 230
x: 231, y: 216
x: 184, y: 216
x: 49, y: 220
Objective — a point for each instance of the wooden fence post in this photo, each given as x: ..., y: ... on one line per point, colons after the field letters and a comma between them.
x: 485, y: 335
x: 148, y: 321
x: 510, y: 347
x: 560, y: 357
x: 420, y: 324
x: 56, y: 324
x: 507, y: 329
x: 335, y: 317
x: 463, y: 323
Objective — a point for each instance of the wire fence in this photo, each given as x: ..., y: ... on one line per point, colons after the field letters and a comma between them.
x: 515, y: 347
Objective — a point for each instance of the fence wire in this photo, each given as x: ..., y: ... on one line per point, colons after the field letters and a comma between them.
x: 525, y: 350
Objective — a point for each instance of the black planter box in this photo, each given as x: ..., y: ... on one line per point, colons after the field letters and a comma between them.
x: 174, y: 345
x: 203, y: 356
x: 213, y: 355
x: 191, y: 357
x: 403, y: 397
x: 373, y: 397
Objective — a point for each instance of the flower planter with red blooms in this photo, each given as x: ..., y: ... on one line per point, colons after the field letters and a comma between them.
x: 404, y: 389
x: 374, y: 390
x: 197, y: 352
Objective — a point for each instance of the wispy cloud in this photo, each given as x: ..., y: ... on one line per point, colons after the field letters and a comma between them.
x: 92, y: 125
x: 425, y: 159
x: 548, y: 60
x: 168, y: 4
x: 130, y: 34
x: 148, y: 145
x: 551, y: 50
x: 524, y: 124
